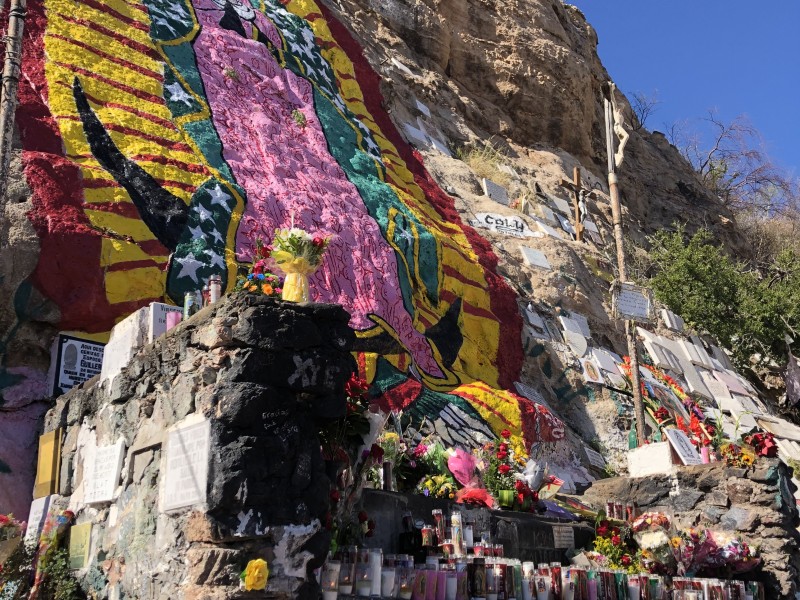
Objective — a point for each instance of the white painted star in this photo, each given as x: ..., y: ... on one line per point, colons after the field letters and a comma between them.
x: 216, y: 259
x: 203, y: 213
x: 178, y: 94
x: 217, y: 237
x: 406, y: 235
x: 196, y: 232
x: 219, y: 197
x: 309, y: 36
x: 189, y: 266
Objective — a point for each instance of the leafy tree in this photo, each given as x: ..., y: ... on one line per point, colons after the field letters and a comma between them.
x: 747, y: 310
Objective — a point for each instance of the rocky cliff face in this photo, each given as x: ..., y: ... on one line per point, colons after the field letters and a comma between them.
x: 148, y: 168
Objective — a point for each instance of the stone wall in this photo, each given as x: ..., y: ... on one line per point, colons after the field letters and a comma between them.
x: 756, y: 503
x: 263, y: 373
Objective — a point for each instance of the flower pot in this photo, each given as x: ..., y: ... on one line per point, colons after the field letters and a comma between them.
x: 505, y: 498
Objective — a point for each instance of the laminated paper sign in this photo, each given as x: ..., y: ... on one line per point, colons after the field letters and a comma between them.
x: 77, y: 361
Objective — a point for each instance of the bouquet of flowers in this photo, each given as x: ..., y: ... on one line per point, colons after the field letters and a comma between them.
x: 298, y: 254
x: 258, y: 278
x: 611, y: 549
x: 737, y: 456
x: 763, y: 443
x: 438, y: 486
x: 497, y: 466
x: 731, y: 554
x: 650, y: 532
x: 691, y: 549
x: 11, y: 532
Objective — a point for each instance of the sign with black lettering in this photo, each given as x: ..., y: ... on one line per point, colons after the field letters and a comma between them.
x: 77, y: 361
x: 508, y: 225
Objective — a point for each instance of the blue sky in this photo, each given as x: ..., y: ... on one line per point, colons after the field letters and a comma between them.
x: 736, y: 56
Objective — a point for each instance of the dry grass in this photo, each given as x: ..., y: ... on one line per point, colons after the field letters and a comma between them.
x: 485, y: 160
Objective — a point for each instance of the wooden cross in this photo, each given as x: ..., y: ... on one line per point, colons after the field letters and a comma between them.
x: 575, y: 187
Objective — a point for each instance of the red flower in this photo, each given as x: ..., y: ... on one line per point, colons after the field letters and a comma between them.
x: 376, y: 452
x: 502, y: 454
x: 602, y: 530
x: 535, y: 496
x: 503, y: 469
x: 363, y: 517
x: 335, y: 496
x: 505, y: 433
x: 615, y: 530
x: 521, y: 487
x: 503, y: 447
x: 626, y: 560
x: 661, y: 415
x: 616, y: 540
x: 356, y: 387
x: 420, y: 451
x: 318, y: 241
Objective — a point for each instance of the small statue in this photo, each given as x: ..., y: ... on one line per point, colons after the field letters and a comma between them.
x: 619, y: 130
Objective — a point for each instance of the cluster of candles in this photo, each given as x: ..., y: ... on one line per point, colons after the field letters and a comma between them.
x: 211, y: 293
x: 620, y: 512
x: 478, y: 578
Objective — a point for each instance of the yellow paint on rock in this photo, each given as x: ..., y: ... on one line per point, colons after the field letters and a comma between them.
x: 135, y: 284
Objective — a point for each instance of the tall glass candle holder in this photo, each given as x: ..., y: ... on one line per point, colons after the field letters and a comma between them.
x: 405, y: 583
x: 363, y: 581
x: 438, y: 521
x: 329, y: 580
x: 347, y: 573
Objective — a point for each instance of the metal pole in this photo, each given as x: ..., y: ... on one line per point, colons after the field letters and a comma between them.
x: 616, y: 216
x: 8, y: 99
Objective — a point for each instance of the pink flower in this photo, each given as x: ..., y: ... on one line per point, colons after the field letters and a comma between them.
x: 420, y: 451
x: 616, y: 540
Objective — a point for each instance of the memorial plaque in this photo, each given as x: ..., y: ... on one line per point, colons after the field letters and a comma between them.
x: 671, y: 320
x: 702, y: 353
x: 563, y: 537
x: 422, y: 108
x: 127, y: 338
x: 591, y: 372
x: 534, y: 318
x: 102, y: 475
x: 546, y: 229
x: 686, y: 451
x: 77, y: 360
x: 496, y: 192
x: 733, y: 383
x: 632, y: 302
x: 547, y: 214
x: 48, y: 466
x: 576, y: 342
x: 513, y: 225
x: 535, y: 258
x: 595, y: 458
x: 566, y: 225
x: 606, y: 361
x: 415, y: 136
x: 440, y: 146
x: 590, y: 226
x: 158, y: 319
x: 36, y: 518
x: 531, y: 394
x: 576, y: 323
x: 187, y: 456
x: 561, y: 205
x: 80, y: 538
x: 718, y: 389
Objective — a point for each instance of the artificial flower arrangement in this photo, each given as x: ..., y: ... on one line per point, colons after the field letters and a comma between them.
x: 651, y: 544
x: 298, y: 254
x: 11, y: 532
x: 258, y: 278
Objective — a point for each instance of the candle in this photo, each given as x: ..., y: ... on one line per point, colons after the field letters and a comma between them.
x: 388, y: 575
x: 346, y: 573
x: 439, y: 523
x: 457, y: 534
x: 528, y: 585
x: 462, y: 591
x: 173, y: 318
x: 468, y: 536
x: 404, y: 592
x: 451, y: 585
x: 543, y: 587
x: 427, y: 536
x: 375, y: 564
x: 478, y: 548
x: 363, y: 587
x: 329, y: 594
x: 633, y: 590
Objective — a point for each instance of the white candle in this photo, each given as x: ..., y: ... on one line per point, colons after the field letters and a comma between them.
x: 375, y: 564
x: 387, y: 582
x: 329, y: 594
x: 527, y: 587
x: 405, y: 592
x: 363, y: 587
x: 469, y: 538
x: 451, y: 587
x: 346, y: 588
x: 633, y: 591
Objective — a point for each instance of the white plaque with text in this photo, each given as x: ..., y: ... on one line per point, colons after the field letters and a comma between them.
x: 512, y: 225
x: 563, y: 537
x: 685, y: 449
x: 632, y: 302
x: 186, y: 472
x: 36, y: 518
x: 102, y: 476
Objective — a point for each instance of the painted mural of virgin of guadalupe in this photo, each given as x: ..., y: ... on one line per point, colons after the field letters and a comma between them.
x: 419, y: 287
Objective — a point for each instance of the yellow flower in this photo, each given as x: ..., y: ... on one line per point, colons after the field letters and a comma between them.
x: 676, y: 541
x: 256, y: 574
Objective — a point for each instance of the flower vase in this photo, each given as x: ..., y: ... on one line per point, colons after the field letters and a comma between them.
x: 295, y: 287
x: 505, y: 498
